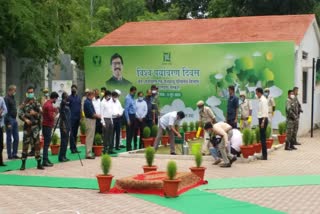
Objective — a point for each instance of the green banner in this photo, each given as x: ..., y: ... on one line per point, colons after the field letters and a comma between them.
x: 188, y: 73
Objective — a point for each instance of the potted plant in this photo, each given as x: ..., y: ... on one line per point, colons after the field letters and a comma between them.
x: 54, y: 146
x: 97, y: 145
x: 147, y: 140
x: 170, y: 185
x: 149, y: 155
x: 282, y: 130
x: 123, y: 131
x: 154, y: 131
x: 198, y: 170
x: 82, y: 132
x: 246, y: 149
x: 269, y: 140
x: 258, y: 146
x: 104, y: 180
x: 185, y: 130
x: 164, y: 138
x: 193, y: 132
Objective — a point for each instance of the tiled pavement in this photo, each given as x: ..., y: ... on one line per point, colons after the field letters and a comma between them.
x: 302, y: 199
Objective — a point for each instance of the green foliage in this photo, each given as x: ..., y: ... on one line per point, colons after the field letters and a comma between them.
x: 197, y: 125
x: 246, y: 136
x: 149, y: 155
x: 253, y: 137
x: 55, y: 139
x: 257, y: 131
x: 185, y: 126
x: 98, y: 140
x: 171, y: 169
x: 191, y: 126
x: 282, y: 127
x: 268, y: 132
x: 154, y: 131
x: 146, y: 132
x: 82, y: 127
x: 105, y: 164
x: 198, y: 158
x: 164, y: 132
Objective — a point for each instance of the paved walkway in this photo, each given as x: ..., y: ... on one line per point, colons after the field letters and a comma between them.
x: 302, y: 199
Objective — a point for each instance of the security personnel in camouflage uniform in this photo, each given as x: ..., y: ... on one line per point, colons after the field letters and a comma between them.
x: 298, y: 111
x: 30, y: 114
x: 291, y: 118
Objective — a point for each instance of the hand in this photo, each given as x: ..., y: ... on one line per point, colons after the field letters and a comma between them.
x: 140, y: 119
x: 28, y: 122
x: 262, y: 125
x: 32, y: 112
x: 128, y: 123
x: 9, y: 126
x: 179, y: 135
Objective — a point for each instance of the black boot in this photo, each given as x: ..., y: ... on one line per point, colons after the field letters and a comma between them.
x: 47, y: 163
x: 287, y: 146
x: 1, y: 160
x: 23, y: 165
x: 39, y: 166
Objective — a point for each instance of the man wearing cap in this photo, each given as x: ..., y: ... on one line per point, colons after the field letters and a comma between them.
x: 205, y: 115
x: 45, y: 96
x: 298, y: 111
x: 271, y: 106
x: 245, y: 111
x: 116, y: 63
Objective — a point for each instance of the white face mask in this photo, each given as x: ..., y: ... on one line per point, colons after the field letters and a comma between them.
x: 292, y: 96
x: 154, y: 91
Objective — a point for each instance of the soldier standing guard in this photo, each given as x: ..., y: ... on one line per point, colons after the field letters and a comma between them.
x: 30, y: 114
x: 291, y: 118
x: 298, y: 111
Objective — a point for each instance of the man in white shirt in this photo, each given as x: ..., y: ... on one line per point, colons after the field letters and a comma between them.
x: 107, y: 111
x: 271, y: 105
x: 117, y: 119
x: 225, y: 131
x: 263, y: 121
x: 141, y: 113
x: 168, y: 122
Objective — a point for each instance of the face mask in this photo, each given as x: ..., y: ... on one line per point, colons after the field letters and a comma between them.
x: 242, y: 99
x: 292, y: 96
x: 73, y: 91
x: 30, y: 95
x: 102, y: 94
x: 14, y: 94
x: 266, y: 94
x: 154, y: 91
x: 140, y: 98
x: 133, y: 95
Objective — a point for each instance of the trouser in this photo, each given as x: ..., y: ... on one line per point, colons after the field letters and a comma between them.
x: 232, y: 123
x: 98, y: 127
x: 245, y: 124
x: 139, y: 125
x: 270, y: 117
x: 222, y: 148
x: 46, y: 131
x: 74, y: 134
x: 290, y: 133
x: 116, y: 131
x: 64, y: 135
x: 1, y: 145
x: 107, y: 130
x: 206, y: 143
x: 31, y: 137
x: 295, y: 130
x: 130, y: 131
x: 263, y: 137
x: 90, y: 129
x: 149, y: 123
x: 171, y: 139
x: 12, y: 132
x: 216, y: 154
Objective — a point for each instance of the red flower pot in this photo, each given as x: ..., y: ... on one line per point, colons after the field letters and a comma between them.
x: 165, y: 140
x: 247, y: 151
x: 269, y: 143
x: 149, y: 168
x: 123, y: 134
x: 148, y: 142
x: 97, y: 150
x: 83, y: 139
x: 54, y: 149
x: 282, y: 138
x: 170, y: 187
x: 199, y: 171
x: 257, y: 147
x: 104, y: 182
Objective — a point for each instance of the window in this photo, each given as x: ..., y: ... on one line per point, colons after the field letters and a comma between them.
x: 304, y: 87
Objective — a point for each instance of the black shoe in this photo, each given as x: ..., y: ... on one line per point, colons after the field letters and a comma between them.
x: 2, y: 164
x: 122, y: 146
x: 90, y: 157
x: 293, y: 148
x: 173, y: 153
x: 10, y: 158
x: 288, y: 149
x: 111, y: 153
x: 31, y: 153
x: 216, y: 162
x: 39, y: 166
x: 64, y: 160
x: 47, y: 164
x: 75, y: 152
x: 262, y: 158
x: 23, y: 165
x: 16, y: 157
x: 118, y: 149
x: 297, y: 144
x: 233, y: 159
x: 225, y: 165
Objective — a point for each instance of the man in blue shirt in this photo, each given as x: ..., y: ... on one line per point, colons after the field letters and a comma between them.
x: 75, y: 108
x: 232, y: 108
x: 130, y: 114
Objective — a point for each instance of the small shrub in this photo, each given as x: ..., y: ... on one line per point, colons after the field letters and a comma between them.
x: 171, y: 169
x: 268, y: 132
x: 185, y: 126
x: 105, y: 164
x: 55, y: 139
x: 253, y: 137
x: 257, y: 131
x: 198, y: 158
x: 146, y: 132
x: 282, y: 127
x: 149, y: 155
x: 197, y: 125
x: 246, y: 136
x: 191, y: 126
x: 82, y: 127
x: 154, y: 131
x: 164, y: 132
x: 98, y: 140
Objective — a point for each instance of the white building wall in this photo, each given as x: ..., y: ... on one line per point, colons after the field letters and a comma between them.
x: 309, y: 44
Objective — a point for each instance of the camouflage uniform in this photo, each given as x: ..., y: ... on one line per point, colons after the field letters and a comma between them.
x: 298, y: 110
x: 30, y: 132
x: 291, y: 120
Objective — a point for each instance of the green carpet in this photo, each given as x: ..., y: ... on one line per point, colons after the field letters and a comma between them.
x: 260, y: 182
x: 197, y: 201
x: 31, y: 162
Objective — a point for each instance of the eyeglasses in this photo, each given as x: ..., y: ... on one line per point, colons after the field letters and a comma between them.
x: 116, y: 63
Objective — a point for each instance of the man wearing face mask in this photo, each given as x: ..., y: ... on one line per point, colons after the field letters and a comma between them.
x: 49, y: 113
x: 298, y: 111
x: 155, y: 103
x: 271, y: 106
x: 168, y: 122
x: 102, y: 92
x: 30, y: 114
x: 130, y: 111
x: 292, y: 116
x: 245, y: 111
x: 117, y: 119
x: 107, y: 110
x: 232, y: 108
x: 150, y: 114
x: 45, y: 96
x: 65, y: 127
x: 205, y: 115
x: 11, y: 124
x: 142, y: 110
x: 75, y: 108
